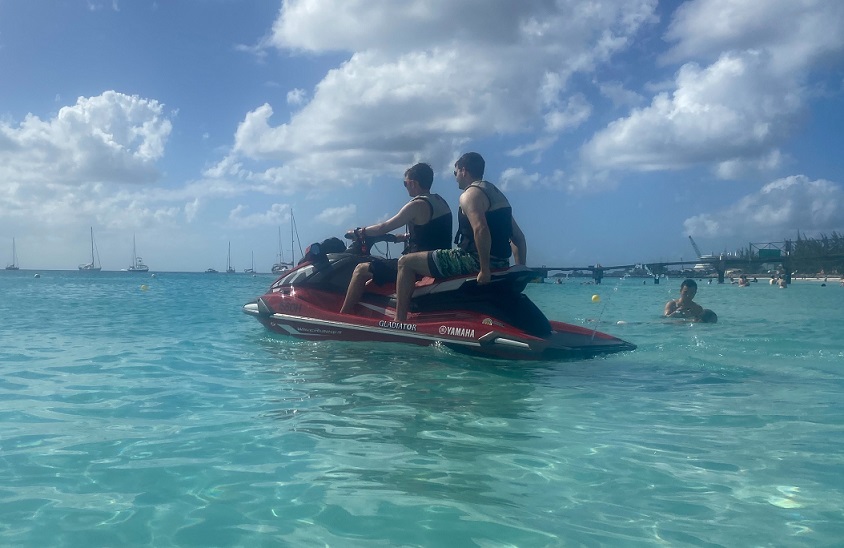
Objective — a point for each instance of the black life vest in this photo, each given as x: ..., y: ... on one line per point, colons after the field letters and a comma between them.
x: 436, y: 233
x: 499, y: 218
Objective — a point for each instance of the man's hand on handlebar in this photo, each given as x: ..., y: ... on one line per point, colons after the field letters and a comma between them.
x: 360, y: 233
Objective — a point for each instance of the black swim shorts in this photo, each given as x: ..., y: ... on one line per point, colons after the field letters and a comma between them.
x: 384, y: 271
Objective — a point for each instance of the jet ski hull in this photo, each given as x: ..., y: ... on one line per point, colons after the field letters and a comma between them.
x: 495, y: 319
x: 295, y: 314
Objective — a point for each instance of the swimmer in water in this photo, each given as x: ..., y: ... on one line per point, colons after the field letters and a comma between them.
x: 686, y: 308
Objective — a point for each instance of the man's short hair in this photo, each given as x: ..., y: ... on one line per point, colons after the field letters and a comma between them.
x: 473, y: 163
x: 690, y: 283
x: 422, y: 174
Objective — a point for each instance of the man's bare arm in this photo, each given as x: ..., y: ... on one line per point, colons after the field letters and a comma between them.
x: 412, y: 211
x: 518, y: 244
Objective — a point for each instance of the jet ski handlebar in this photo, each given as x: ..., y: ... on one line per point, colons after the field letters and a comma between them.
x: 360, y: 234
x: 363, y: 242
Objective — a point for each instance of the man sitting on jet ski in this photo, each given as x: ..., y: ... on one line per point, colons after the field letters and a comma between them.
x: 487, y: 234
x: 429, y: 222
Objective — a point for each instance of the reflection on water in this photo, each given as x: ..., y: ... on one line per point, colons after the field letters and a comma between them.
x: 165, y: 416
x: 426, y: 417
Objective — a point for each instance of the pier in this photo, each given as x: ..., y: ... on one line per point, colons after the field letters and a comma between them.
x: 786, y: 255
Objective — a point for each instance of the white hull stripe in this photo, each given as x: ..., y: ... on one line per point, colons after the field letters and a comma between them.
x: 366, y: 328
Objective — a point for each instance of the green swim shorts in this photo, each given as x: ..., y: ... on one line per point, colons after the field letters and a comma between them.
x: 445, y: 263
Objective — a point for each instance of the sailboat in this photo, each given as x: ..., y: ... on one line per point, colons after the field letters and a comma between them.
x: 14, y: 265
x: 281, y: 266
x: 92, y: 266
x: 251, y: 270
x: 137, y: 262
x: 229, y: 268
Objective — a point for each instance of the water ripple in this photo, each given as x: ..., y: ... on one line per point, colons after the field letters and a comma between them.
x: 168, y: 418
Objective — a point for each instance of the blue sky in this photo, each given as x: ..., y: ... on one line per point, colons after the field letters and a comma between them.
x: 616, y: 128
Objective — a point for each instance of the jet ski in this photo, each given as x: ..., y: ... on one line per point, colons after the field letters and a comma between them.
x: 494, y: 320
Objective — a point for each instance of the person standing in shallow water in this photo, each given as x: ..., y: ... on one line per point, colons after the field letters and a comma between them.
x: 685, y: 307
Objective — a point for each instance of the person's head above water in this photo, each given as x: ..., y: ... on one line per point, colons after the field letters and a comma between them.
x: 690, y: 283
x: 688, y: 289
x: 708, y: 316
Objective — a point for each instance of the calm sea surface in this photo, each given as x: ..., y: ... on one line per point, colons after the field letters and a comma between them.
x: 164, y: 416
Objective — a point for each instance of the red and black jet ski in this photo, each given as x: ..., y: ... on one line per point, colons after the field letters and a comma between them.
x: 494, y: 319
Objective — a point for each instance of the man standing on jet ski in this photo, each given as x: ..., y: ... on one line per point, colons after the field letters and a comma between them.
x: 487, y: 234
x: 428, y: 219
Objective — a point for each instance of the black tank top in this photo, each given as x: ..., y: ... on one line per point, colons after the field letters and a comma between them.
x: 436, y: 233
x: 499, y: 218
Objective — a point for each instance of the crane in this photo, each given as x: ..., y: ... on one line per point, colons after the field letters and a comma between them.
x: 694, y: 245
x: 705, y: 265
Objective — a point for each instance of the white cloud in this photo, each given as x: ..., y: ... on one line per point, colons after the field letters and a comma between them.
x: 97, y: 6
x: 423, y: 76
x: 239, y: 218
x: 259, y: 52
x: 796, y: 33
x: 619, y: 95
x: 516, y: 178
x: 191, y: 210
x: 736, y: 168
x: 357, y: 25
x: 110, y: 138
x: 577, y: 110
x: 735, y: 109
x: 296, y: 96
x: 337, y: 216
x: 78, y: 163
x: 777, y: 210
x: 734, y: 113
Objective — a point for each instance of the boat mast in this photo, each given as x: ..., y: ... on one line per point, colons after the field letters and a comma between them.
x: 92, y: 247
x: 280, y: 253
x: 292, y: 251
x: 14, y: 265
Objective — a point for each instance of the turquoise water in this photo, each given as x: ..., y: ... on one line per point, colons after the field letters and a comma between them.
x: 166, y: 417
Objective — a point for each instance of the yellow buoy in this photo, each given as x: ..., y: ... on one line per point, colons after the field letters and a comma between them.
x: 144, y: 287
x: 596, y: 298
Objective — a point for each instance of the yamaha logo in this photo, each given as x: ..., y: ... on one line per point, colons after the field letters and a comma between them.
x: 457, y: 331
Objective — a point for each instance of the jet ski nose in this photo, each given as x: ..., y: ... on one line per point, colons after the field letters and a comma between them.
x: 257, y: 308
x: 263, y: 309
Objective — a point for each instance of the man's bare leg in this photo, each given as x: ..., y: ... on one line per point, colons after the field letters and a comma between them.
x: 357, y: 284
x: 411, y: 266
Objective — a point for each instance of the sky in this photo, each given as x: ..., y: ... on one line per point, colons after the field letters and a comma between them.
x: 617, y: 129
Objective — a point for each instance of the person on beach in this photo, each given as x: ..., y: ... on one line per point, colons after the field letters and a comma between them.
x: 686, y: 308
x: 487, y: 235
x: 429, y: 222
